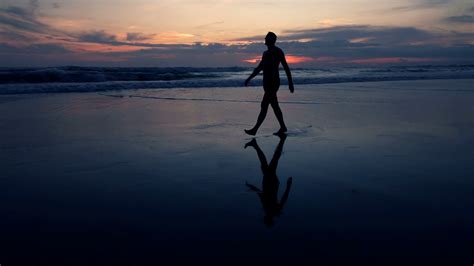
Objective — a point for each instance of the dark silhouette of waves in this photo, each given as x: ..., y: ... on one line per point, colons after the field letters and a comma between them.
x: 103, y: 74
x: 89, y: 79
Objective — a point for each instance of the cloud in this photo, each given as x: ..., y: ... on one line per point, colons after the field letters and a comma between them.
x: 17, y: 36
x: 371, y: 44
x: 433, y: 3
x: 34, y: 55
x: 98, y: 36
x: 21, y: 24
x: 460, y: 19
x: 331, y: 46
x: 45, y: 49
x: 22, y: 18
x: 43, y: 44
x: 138, y: 36
x: 423, y: 4
x: 354, y: 35
x: 466, y: 18
x: 34, y: 4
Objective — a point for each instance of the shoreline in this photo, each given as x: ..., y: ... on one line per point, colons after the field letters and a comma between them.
x: 57, y: 87
x: 283, y: 87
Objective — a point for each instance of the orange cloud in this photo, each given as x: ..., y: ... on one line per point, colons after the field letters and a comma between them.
x: 360, y: 40
x: 294, y: 59
x: 252, y: 60
x: 101, y: 48
x: 172, y: 37
x: 291, y: 59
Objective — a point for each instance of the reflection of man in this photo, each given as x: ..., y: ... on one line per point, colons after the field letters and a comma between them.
x: 270, y: 63
x: 269, y: 193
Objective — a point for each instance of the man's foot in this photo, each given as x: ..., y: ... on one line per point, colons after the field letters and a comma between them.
x: 281, y: 131
x: 252, y: 143
x: 251, y: 132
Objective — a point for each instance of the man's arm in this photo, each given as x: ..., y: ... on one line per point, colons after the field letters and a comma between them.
x: 255, y: 72
x: 252, y: 187
x: 288, y: 72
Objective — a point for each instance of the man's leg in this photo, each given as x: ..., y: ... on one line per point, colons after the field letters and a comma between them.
x: 277, y: 154
x: 260, y: 154
x: 279, y: 115
x: 261, y: 116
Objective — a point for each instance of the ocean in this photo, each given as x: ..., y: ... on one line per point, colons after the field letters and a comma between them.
x: 89, y: 79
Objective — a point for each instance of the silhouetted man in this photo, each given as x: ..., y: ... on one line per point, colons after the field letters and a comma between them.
x: 270, y: 62
x: 270, y: 184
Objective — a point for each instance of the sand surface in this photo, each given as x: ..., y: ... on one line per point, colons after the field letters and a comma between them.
x: 380, y: 169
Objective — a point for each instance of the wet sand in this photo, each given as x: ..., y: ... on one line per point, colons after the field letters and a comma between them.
x: 382, y: 172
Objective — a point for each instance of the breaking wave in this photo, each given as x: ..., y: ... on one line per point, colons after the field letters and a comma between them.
x: 88, y: 79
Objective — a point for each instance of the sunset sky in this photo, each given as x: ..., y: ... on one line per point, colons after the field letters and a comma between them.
x: 231, y: 32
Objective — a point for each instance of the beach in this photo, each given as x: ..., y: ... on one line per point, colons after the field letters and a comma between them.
x: 379, y: 170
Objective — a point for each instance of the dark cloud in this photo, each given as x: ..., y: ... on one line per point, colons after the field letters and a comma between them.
x: 35, y: 55
x: 416, y: 5
x: 98, y: 36
x: 368, y: 41
x: 460, y: 19
x: 344, y: 35
x: 429, y: 3
x: 138, y: 36
x: 331, y: 43
x: 22, y: 18
x: 33, y: 49
x: 18, y: 11
x: 17, y: 36
x: 345, y: 43
x: 45, y: 49
x: 466, y: 18
x: 34, y: 4
x: 56, y: 5
x: 15, y: 19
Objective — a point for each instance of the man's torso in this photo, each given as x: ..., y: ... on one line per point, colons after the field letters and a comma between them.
x: 271, y: 61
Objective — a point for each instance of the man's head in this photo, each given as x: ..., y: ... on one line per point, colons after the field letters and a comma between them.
x: 270, y: 39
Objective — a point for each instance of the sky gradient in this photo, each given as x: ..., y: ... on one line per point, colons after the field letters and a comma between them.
x: 230, y: 32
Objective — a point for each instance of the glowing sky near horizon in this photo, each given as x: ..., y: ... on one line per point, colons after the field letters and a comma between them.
x: 89, y: 29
